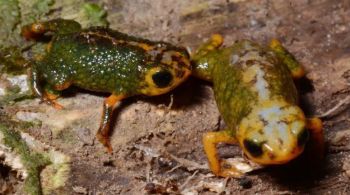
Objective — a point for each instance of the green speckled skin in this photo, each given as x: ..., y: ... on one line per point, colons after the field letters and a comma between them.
x: 104, y: 60
x: 89, y: 59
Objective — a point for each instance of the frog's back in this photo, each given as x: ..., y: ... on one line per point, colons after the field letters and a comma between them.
x: 92, y: 59
x: 249, y: 76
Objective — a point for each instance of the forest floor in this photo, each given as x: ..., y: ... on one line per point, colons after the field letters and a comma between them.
x: 157, y: 140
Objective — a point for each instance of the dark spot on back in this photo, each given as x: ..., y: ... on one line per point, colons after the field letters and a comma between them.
x: 280, y: 141
x: 265, y: 122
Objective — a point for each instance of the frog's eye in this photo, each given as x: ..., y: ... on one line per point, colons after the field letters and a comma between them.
x: 254, y: 148
x: 303, y: 136
x: 162, y: 78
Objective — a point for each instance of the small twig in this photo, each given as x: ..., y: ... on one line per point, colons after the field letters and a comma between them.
x: 284, y: 192
x: 147, y: 150
x: 190, y: 165
x: 174, y: 168
x: 148, y: 171
x: 340, y: 136
x: 188, y: 180
x: 225, y: 184
x: 335, y: 108
x: 337, y: 149
x: 171, y: 102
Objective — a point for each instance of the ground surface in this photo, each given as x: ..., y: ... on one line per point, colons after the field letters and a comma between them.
x: 153, y: 137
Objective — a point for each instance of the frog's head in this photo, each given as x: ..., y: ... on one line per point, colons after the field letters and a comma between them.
x: 168, y: 67
x: 273, y: 134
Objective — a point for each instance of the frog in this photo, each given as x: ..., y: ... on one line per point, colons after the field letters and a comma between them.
x: 100, y: 59
x: 257, y: 98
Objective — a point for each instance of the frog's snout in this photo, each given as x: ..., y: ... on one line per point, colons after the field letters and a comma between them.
x: 273, y: 133
x: 170, y: 69
x: 275, y: 151
x: 266, y: 154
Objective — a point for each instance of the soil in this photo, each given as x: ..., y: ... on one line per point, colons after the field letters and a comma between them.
x: 157, y: 140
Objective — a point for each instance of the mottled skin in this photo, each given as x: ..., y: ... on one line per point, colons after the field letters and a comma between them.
x: 257, y: 98
x: 104, y: 60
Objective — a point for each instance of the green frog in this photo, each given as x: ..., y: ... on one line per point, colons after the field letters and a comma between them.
x: 256, y: 96
x: 103, y: 60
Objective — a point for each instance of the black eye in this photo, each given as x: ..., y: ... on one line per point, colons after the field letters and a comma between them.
x: 303, y: 137
x: 255, y: 149
x: 162, y: 78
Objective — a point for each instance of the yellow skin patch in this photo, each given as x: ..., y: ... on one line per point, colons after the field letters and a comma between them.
x: 256, y: 74
x: 145, y: 46
x: 257, y: 98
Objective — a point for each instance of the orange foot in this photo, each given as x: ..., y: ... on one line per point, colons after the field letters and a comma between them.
x: 105, y: 141
x: 50, y: 99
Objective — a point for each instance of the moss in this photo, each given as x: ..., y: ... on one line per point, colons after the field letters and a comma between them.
x: 13, y: 94
x: 56, y: 174
x: 94, y: 14
x: 31, y: 10
x: 32, y: 161
x: 9, y: 18
x: 13, y: 61
x: 16, y: 13
x: 87, y: 14
x: 13, y: 15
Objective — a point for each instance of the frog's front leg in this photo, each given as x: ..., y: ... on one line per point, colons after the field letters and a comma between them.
x: 34, y: 79
x: 287, y: 58
x: 104, y: 130
x: 60, y: 26
x: 217, y: 166
x: 49, y: 94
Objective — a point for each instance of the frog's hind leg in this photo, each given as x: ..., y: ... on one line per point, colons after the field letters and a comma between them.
x: 201, y: 69
x: 219, y: 167
x: 104, y: 130
x: 213, y: 43
x: 59, y: 26
x: 287, y: 58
